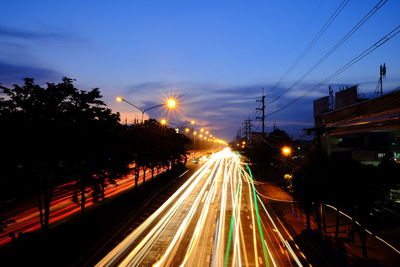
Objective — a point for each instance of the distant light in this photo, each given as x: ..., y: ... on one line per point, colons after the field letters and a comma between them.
x: 187, y: 130
x: 244, y: 142
x: 201, y: 130
x: 171, y: 103
x: 206, y: 132
x: 194, y: 133
x: 192, y: 122
x: 287, y: 176
x: 286, y: 151
x: 163, y: 121
x: 119, y: 99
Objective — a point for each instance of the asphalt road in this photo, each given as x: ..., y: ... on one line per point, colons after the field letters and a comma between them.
x: 214, y: 219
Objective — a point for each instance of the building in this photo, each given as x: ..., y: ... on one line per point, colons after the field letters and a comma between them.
x: 361, y: 129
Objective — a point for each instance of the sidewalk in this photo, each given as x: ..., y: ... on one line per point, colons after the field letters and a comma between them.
x: 325, y: 250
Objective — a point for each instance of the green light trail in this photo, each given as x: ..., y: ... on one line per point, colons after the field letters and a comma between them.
x: 266, y: 258
x: 228, y: 247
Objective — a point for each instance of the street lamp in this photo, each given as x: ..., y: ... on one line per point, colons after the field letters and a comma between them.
x: 286, y: 151
x: 163, y: 121
x: 170, y: 103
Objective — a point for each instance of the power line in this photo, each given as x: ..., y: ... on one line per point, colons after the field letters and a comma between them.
x: 335, y: 47
x: 310, y: 20
x: 312, y: 42
x: 366, y: 52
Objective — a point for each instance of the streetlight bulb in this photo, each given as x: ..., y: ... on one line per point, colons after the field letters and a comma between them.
x: 286, y: 151
x: 192, y: 122
x: 171, y: 103
x: 194, y: 133
x: 187, y: 130
x: 163, y: 122
x: 119, y: 99
x: 201, y: 130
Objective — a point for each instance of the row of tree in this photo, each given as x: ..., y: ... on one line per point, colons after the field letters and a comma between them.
x: 264, y: 151
x: 57, y: 134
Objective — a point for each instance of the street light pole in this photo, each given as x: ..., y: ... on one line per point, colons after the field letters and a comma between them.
x: 147, y: 109
x: 169, y: 104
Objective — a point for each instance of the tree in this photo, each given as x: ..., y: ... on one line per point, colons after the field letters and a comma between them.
x: 57, y: 134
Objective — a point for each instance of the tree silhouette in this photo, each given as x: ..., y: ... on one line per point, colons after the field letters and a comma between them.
x: 57, y: 134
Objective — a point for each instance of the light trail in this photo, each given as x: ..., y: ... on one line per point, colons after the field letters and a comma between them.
x: 211, y: 220
x: 62, y: 205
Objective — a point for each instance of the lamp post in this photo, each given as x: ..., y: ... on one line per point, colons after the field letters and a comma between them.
x: 170, y: 103
x: 286, y: 152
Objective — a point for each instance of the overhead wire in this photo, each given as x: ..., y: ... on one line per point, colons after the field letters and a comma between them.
x: 366, y: 52
x: 312, y: 42
x: 335, y: 47
x: 310, y: 20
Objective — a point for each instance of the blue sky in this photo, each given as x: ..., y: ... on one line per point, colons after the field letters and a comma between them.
x: 214, y: 55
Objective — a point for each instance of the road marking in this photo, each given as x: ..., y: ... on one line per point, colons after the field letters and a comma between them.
x: 183, y: 173
x: 260, y: 260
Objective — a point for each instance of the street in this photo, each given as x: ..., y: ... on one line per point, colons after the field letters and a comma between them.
x: 215, y: 218
x: 62, y: 205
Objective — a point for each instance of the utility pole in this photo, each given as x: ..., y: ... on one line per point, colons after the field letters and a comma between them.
x: 262, y: 109
x: 249, y: 129
x: 379, y: 86
x: 244, y: 127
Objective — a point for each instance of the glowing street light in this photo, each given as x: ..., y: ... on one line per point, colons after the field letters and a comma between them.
x: 192, y: 122
x: 286, y: 151
x: 163, y: 121
x: 187, y: 130
x: 170, y: 103
x: 201, y: 130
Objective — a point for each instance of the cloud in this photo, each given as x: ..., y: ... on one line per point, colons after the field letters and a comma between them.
x: 10, y: 73
x: 222, y: 108
x: 7, y: 32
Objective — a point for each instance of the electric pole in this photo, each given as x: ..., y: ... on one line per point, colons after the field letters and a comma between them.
x: 247, y: 129
x: 379, y: 86
x: 262, y: 109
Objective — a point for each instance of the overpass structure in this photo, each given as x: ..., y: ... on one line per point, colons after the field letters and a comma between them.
x: 362, y: 129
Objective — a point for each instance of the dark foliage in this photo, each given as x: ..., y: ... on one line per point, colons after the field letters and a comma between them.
x: 58, y: 134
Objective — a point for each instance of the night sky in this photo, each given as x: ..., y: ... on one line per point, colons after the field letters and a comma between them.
x: 215, y: 56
